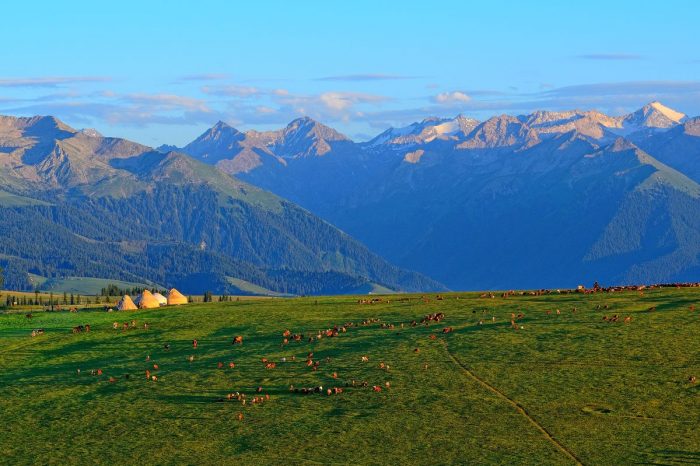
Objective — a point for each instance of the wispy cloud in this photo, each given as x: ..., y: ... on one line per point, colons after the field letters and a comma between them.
x: 166, y: 102
x: 627, y: 88
x: 366, y: 77
x: 204, y: 77
x: 54, y: 81
x: 232, y: 90
x: 262, y: 107
x: 326, y: 106
x: 610, y: 56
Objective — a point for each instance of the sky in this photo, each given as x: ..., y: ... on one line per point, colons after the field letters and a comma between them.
x: 162, y: 72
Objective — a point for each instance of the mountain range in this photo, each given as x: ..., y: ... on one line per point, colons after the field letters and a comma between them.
x: 547, y: 199
x: 75, y: 203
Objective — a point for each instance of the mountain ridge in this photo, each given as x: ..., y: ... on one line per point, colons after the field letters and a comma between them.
x: 81, y: 204
x: 440, y: 204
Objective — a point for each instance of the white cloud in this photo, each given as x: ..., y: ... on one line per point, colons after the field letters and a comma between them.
x: 339, y: 101
x: 451, y: 98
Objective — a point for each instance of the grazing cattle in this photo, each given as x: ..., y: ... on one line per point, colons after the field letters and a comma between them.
x: 28, y: 315
x: 115, y: 325
x: 238, y: 340
x: 447, y: 330
x: 79, y: 329
x: 436, y: 317
x: 37, y: 332
x: 195, y: 343
x: 628, y: 319
x: 692, y: 379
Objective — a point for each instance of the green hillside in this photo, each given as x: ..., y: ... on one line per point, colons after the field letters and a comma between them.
x: 88, y: 206
x: 81, y: 285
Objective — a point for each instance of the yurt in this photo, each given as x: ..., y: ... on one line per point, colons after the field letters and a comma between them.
x: 175, y: 297
x: 147, y: 300
x: 162, y: 300
x: 126, y: 304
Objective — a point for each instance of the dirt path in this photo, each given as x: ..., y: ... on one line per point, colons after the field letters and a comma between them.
x: 518, y: 407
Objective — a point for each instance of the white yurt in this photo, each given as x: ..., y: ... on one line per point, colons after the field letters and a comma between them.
x: 162, y: 300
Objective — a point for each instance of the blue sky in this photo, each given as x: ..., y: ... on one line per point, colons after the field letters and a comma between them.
x: 162, y: 72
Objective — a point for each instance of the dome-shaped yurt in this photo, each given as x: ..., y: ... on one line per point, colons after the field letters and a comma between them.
x: 126, y: 304
x: 162, y: 300
x: 175, y: 297
x: 147, y: 300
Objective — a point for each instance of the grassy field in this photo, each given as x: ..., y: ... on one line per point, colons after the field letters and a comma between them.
x: 561, y: 389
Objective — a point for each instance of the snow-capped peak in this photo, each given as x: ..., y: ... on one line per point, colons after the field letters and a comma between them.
x: 426, y: 131
x: 655, y: 116
x: 667, y: 112
x: 91, y: 132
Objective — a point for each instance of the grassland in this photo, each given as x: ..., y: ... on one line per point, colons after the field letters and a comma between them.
x: 563, y: 388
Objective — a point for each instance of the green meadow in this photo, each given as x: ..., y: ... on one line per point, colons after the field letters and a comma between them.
x: 562, y: 388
